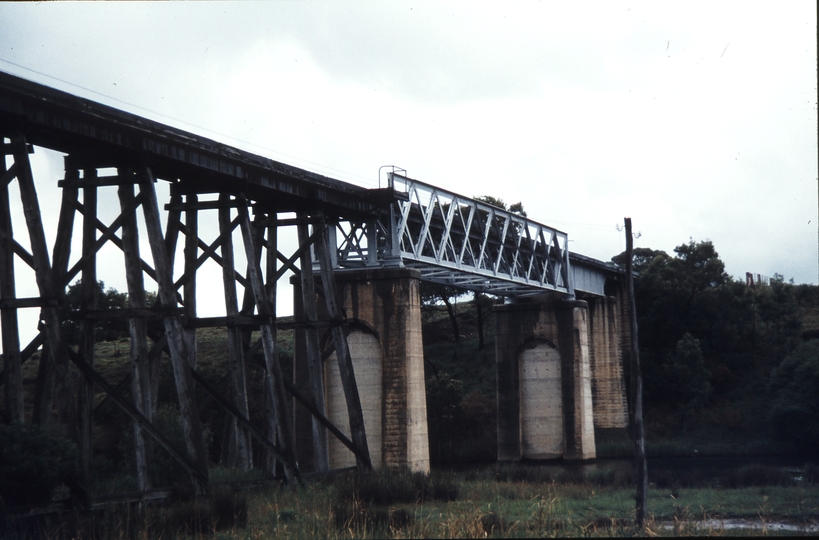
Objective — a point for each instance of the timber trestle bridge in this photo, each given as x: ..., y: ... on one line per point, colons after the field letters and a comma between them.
x: 361, y: 252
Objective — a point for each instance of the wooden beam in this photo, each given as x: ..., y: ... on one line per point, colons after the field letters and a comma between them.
x: 16, y: 147
x: 357, y: 451
x: 191, y: 232
x: 108, y: 234
x: 9, y: 332
x: 6, y: 176
x: 345, y: 362
x: 202, y: 205
x: 207, y: 251
x: 245, y: 423
x: 19, y: 303
x: 268, y: 332
x: 88, y: 328
x: 241, y: 438
x: 48, y: 288
x: 315, y: 370
x: 271, y: 247
x: 137, y: 329
x: 138, y: 417
x: 191, y: 424
x: 21, y: 252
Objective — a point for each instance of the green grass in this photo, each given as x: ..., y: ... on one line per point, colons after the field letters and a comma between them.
x: 516, y: 509
x: 508, y: 500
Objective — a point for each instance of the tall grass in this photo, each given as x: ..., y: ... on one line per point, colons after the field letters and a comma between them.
x: 506, y: 500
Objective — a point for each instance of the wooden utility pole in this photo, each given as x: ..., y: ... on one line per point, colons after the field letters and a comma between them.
x: 639, y: 431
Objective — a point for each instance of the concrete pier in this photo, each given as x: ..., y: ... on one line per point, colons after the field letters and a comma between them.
x: 544, y: 388
x: 382, y: 310
x: 606, y: 330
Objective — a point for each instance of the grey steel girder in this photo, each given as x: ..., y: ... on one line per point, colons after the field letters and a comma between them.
x: 456, y: 240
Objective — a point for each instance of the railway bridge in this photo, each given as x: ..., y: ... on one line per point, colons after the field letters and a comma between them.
x: 354, y: 394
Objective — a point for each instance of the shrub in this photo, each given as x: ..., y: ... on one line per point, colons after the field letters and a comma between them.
x: 33, y: 463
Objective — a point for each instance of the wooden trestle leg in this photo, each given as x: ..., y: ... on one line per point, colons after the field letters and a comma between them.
x: 240, y: 437
x: 315, y: 370
x: 345, y: 363
x: 137, y: 327
x: 191, y: 424
x: 13, y: 383
x: 87, y: 341
x: 51, y: 289
x: 268, y: 337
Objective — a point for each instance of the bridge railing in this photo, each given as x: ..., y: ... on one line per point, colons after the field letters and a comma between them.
x: 456, y: 240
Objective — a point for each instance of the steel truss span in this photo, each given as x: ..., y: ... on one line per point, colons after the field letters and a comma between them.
x: 459, y: 241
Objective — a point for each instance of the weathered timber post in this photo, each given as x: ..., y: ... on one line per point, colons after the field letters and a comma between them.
x: 48, y: 290
x: 639, y: 432
x: 137, y: 328
x: 321, y: 457
x: 240, y: 440
x: 191, y: 425
x: 60, y: 256
x: 345, y: 362
x: 8, y: 311
x: 88, y: 338
x: 270, y: 286
x: 268, y: 331
x: 189, y: 291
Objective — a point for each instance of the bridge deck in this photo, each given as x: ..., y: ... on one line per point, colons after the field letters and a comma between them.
x: 60, y: 121
x: 451, y: 239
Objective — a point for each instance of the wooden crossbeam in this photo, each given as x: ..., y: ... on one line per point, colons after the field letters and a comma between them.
x: 138, y: 417
x: 107, y: 234
x: 209, y: 251
x: 292, y: 469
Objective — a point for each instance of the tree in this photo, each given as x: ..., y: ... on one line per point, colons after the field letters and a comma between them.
x: 794, y: 386
x: 642, y: 257
x: 431, y: 293
x: 107, y: 329
x: 689, y: 376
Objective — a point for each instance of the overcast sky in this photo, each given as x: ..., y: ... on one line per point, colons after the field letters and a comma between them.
x: 696, y: 119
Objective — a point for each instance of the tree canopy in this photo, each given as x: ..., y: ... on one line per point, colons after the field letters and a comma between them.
x: 703, y: 334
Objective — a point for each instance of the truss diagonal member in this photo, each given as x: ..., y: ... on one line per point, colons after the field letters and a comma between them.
x: 533, y: 242
x: 446, y: 237
x: 467, y: 244
x: 487, y: 226
x: 544, y: 267
x: 501, y: 242
x: 426, y: 216
x: 518, y: 227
